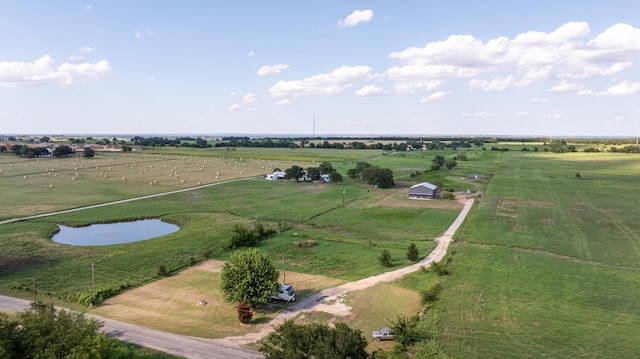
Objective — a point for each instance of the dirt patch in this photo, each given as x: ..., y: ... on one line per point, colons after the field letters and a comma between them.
x: 506, y: 206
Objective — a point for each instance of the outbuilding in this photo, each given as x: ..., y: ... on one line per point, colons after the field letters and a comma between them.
x: 424, y: 190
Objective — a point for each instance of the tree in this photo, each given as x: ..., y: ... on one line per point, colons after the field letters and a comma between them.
x: 49, y: 333
x: 353, y: 173
x: 438, y: 160
x: 44, y: 139
x: 314, y: 340
x: 62, y: 151
x: 325, y: 168
x: 294, y: 172
x: 88, y: 152
x: 126, y: 148
x: 242, y: 237
x: 412, y: 252
x: 335, y: 177
x: 313, y: 173
x: 248, y: 277
x: 451, y: 163
x: 380, y: 177
x: 385, y: 258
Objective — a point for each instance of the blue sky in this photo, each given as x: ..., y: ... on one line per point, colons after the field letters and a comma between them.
x: 551, y: 68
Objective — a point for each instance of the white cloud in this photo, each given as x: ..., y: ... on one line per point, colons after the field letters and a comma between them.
x: 370, y: 90
x: 272, y: 69
x: 435, y: 96
x: 617, y: 119
x: 481, y: 114
x: 41, y: 72
x: 86, y: 49
x: 252, y: 109
x: 502, y: 63
x: 76, y: 57
x: 282, y: 102
x: 622, y: 89
x: 356, y: 17
x: 566, y: 86
x: 248, y: 98
x: 138, y: 35
x: 251, y: 53
x: 89, y: 7
x: 234, y: 107
x: 323, y: 84
x: 538, y: 100
x: 522, y: 114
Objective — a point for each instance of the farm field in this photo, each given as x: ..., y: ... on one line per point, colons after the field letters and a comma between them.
x: 547, y: 261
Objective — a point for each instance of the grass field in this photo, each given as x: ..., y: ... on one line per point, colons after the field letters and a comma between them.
x: 547, y: 263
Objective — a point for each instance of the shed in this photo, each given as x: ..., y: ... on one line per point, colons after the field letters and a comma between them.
x: 424, y: 190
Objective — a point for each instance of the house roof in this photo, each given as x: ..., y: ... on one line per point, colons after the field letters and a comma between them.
x: 425, y: 184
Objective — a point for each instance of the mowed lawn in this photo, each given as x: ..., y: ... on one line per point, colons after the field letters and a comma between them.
x: 547, y: 263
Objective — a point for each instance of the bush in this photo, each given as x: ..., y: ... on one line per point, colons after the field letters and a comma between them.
x: 385, y: 258
x: 162, y: 270
x: 448, y: 195
x: 430, y: 295
x: 244, y: 313
x: 306, y: 244
x: 412, y: 252
x: 440, y: 268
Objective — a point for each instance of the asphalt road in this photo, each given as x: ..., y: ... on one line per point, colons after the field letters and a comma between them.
x: 188, y: 347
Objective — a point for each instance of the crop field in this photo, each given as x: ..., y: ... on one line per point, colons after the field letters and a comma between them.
x: 547, y: 261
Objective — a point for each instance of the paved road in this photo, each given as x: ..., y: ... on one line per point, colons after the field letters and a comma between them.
x: 188, y: 347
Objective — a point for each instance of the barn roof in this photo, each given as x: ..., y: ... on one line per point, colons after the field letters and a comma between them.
x: 425, y: 184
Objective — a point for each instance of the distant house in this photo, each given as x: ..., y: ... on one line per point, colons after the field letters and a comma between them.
x: 424, y: 190
x: 475, y: 176
x: 276, y: 175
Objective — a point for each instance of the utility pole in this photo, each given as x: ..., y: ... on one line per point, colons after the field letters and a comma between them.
x: 284, y: 273
x: 93, y: 282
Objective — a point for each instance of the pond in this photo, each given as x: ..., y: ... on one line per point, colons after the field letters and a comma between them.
x: 113, y: 233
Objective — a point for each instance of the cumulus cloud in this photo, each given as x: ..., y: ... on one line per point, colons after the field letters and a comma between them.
x: 566, y: 86
x: 42, y: 72
x: 86, y: 49
x: 234, y: 107
x: 248, y: 98
x: 356, y: 17
x: 251, y: 53
x: 331, y: 83
x: 522, y: 114
x: 537, y: 100
x: 622, y: 89
x: 502, y: 63
x: 272, y: 69
x: 435, y: 96
x: 371, y: 90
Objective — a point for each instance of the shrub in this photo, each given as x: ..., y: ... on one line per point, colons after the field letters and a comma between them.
x: 244, y: 313
x: 440, y: 268
x: 430, y: 295
x: 162, y: 270
x: 448, y: 195
x: 306, y: 244
x: 385, y: 258
x: 412, y: 252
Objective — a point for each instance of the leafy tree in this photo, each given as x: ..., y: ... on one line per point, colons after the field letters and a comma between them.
x: 314, y: 340
x: 294, y: 172
x: 335, y: 177
x: 248, y: 277
x: 49, y: 333
x: 385, y: 258
x: 381, y: 177
x: 412, y: 252
x: 313, y: 173
x: 126, y: 148
x: 325, y: 168
x: 88, y: 152
x: 406, y: 330
x: 353, y: 173
x: 44, y: 139
x: 438, y: 159
x: 242, y: 237
x: 3, y: 148
x: 451, y: 163
x: 578, y: 175
x: 62, y: 151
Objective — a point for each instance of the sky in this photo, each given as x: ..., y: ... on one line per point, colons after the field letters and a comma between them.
x: 316, y: 68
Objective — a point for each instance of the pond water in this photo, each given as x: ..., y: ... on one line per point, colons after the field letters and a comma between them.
x: 113, y: 233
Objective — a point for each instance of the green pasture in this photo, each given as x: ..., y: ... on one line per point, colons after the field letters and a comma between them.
x: 349, y: 238
x: 547, y: 262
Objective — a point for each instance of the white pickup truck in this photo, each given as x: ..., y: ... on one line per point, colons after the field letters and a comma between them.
x: 286, y: 293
